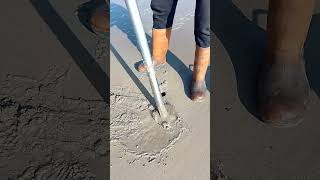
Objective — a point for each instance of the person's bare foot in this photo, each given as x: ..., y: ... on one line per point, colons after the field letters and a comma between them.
x: 201, y: 62
x: 160, y: 45
x: 156, y: 64
x: 99, y: 19
x: 198, y: 91
x: 283, y: 90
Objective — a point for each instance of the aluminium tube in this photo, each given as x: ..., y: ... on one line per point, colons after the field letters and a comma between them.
x: 144, y: 48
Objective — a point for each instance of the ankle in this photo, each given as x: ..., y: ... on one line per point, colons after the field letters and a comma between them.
x: 284, y: 56
x: 159, y: 60
x: 198, y: 83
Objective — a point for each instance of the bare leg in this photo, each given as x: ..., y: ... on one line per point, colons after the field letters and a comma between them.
x: 284, y: 88
x: 202, y: 53
x: 100, y: 18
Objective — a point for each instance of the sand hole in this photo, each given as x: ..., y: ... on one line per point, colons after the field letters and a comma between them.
x: 134, y: 128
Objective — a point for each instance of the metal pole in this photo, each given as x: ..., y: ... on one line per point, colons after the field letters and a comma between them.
x: 144, y: 48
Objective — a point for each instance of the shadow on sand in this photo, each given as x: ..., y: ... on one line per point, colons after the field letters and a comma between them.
x: 91, y: 69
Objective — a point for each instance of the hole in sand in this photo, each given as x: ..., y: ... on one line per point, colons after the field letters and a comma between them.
x: 134, y: 127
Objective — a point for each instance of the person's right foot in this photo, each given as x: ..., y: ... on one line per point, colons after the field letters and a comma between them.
x: 283, y: 90
x: 201, y: 62
x: 198, y: 91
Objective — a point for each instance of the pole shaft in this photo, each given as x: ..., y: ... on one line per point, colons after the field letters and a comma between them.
x: 145, y: 52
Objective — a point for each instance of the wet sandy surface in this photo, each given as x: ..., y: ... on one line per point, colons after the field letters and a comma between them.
x: 53, y: 88
x: 245, y: 148
x: 135, y: 129
x: 145, y: 150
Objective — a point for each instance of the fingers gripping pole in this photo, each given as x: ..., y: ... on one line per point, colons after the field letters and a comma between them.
x: 144, y: 48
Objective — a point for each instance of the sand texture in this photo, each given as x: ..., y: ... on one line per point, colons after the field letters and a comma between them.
x: 54, y: 115
x: 143, y: 146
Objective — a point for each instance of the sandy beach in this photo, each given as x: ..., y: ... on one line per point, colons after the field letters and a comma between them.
x: 55, y: 98
x: 53, y: 94
x: 139, y: 146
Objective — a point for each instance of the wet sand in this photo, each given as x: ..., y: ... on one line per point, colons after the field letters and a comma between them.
x: 141, y: 147
x: 245, y: 148
x: 53, y: 92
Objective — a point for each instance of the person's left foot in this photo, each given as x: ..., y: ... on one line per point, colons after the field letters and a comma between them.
x: 99, y: 19
x: 283, y: 90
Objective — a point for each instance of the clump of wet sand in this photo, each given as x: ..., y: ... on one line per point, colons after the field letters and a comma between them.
x: 134, y: 129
